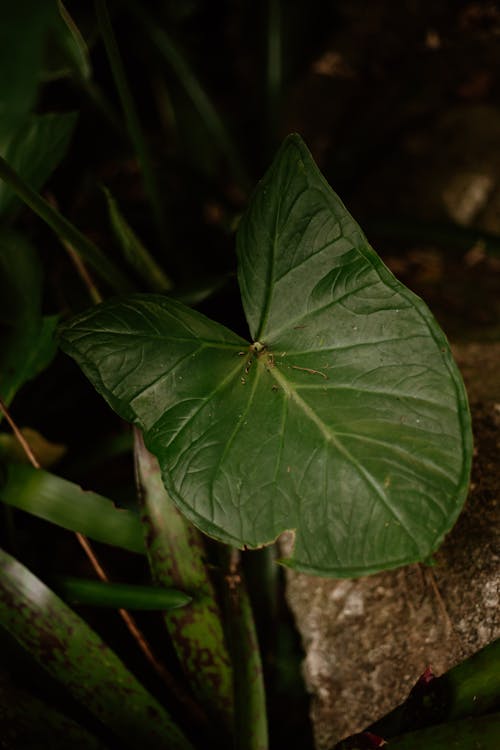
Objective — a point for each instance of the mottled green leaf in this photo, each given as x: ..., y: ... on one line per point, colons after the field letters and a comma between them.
x: 29, y: 723
x: 28, y: 343
x: 177, y: 558
x: 75, y: 655
x: 120, y: 595
x: 34, y: 150
x: 66, y: 504
x: 345, y: 421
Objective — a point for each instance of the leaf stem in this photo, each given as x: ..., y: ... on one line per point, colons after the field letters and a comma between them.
x: 19, y: 435
x: 130, y: 112
x: 64, y: 229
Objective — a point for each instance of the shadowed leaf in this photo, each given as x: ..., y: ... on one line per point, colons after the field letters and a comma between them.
x: 28, y: 343
x: 75, y: 655
x: 66, y: 504
x: 31, y: 724
x: 120, y: 595
x: 176, y: 555
x: 34, y: 150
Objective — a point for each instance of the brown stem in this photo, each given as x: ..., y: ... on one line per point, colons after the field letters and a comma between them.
x: 167, y: 679
x: 80, y: 266
x: 19, y: 436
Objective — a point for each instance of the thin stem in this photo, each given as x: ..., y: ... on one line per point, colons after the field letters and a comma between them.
x: 81, y: 269
x: 64, y: 229
x: 19, y: 436
x: 129, y: 110
x: 94, y: 293
x: 137, y: 634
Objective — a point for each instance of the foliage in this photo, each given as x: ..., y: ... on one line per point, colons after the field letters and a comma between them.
x: 345, y: 420
x: 340, y: 416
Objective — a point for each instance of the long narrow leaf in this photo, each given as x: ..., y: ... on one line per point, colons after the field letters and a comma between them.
x: 468, y: 734
x: 76, y: 656
x: 131, y: 116
x: 176, y: 556
x: 29, y: 723
x: 471, y: 688
x: 54, y: 499
x: 121, y: 595
x: 64, y: 229
x: 134, y: 252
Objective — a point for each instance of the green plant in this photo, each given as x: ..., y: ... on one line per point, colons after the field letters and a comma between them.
x: 341, y: 418
x: 344, y: 419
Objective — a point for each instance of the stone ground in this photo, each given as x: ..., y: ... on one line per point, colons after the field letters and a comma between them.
x: 368, y: 640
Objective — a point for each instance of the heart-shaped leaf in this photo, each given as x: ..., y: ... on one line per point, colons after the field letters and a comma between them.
x: 345, y: 420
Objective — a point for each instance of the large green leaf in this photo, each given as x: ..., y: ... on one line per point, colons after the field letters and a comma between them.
x: 345, y: 420
x: 75, y: 655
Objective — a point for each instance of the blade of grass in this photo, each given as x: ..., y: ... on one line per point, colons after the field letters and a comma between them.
x: 176, y: 556
x: 200, y: 99
x: 134, y: 251
x: 65, y: 229
x: 250, y: 722
x: 76, y: 656
x: 120, y: 595
x: 54, y: 499
x: 79, y: 47
x: 131, y: 117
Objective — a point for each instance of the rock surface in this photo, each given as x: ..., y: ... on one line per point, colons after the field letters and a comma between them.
x: 368, y: 640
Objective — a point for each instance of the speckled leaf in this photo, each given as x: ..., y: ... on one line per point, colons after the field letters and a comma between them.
x: 29, y: 723
x: 75, y: 655
x: 346, y: 419
x: 177, y: 558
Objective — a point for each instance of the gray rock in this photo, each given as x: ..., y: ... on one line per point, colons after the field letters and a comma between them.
x: 368, y: 640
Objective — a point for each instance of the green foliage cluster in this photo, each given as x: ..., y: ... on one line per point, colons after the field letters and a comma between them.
x: 340, y: 417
